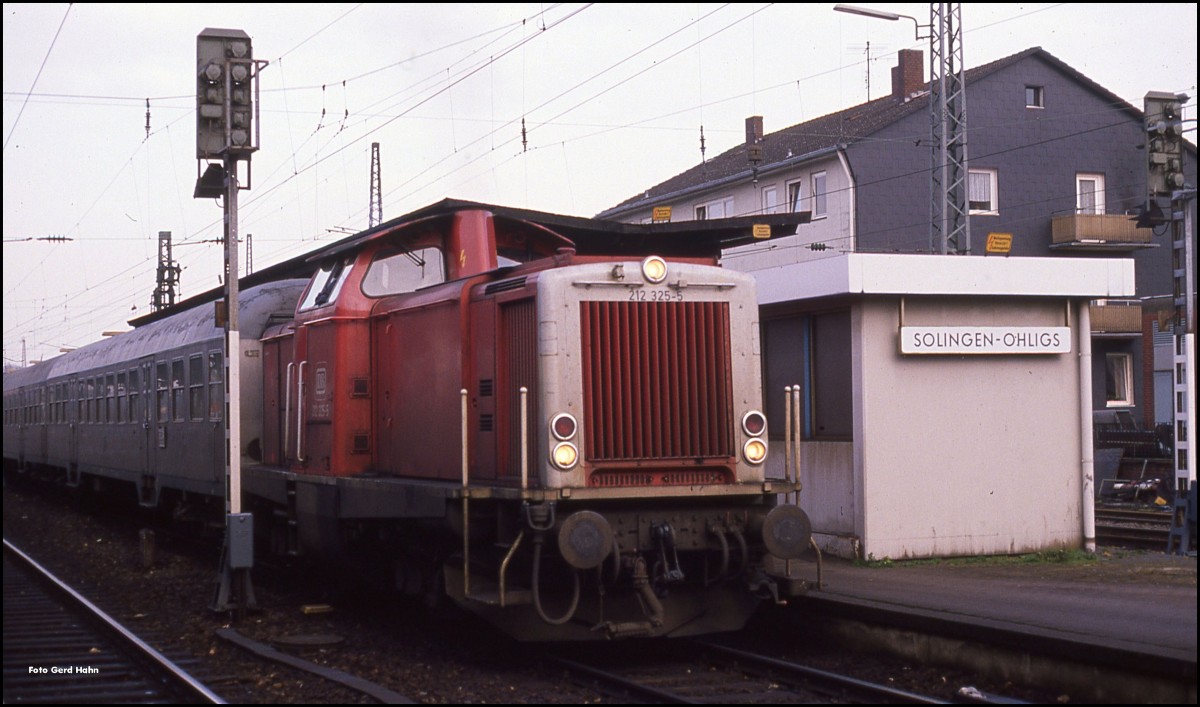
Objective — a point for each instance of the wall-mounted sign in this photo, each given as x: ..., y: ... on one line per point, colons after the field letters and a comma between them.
x: 761, y: 230
x: 999, y: 243
x: 985, y: 340
x: 661, y: 213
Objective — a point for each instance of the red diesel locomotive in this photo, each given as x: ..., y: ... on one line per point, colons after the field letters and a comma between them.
x: 556, y: 421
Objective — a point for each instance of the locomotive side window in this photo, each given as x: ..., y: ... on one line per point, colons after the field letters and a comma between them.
x: 196, y: 383
x: 395, y: 270
x: 216, y: 385
x: 162, y: 388
x: 326, y: 284
x: 178, y: 391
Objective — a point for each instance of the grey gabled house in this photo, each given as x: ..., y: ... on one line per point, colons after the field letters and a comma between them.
x: 1056, y: 160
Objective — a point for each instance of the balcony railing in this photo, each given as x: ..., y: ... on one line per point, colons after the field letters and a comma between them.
x: 1098, y: 232
x: 1116, y: 318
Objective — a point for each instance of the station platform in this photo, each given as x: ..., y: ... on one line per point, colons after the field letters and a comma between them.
x: 1136, y: 602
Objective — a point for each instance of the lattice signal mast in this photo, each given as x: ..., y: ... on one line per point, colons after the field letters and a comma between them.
x: 376, y: 216
x: 168, y: 274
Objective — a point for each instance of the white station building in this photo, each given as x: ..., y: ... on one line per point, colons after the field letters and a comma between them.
x: 943, y: 404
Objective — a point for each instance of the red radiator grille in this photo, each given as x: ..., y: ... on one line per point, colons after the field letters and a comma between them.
x: 656, y: 380
x: 701, y: 477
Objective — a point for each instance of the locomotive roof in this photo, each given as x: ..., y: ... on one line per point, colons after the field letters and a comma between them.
x: 592, y: 236
x: 257, y: 305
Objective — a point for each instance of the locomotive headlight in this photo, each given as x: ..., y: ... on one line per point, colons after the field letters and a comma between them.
x: 755, y: 450
x: 563, y: 426
x: 564, y: 455
x: 754, y: 423
x: 654, y: 269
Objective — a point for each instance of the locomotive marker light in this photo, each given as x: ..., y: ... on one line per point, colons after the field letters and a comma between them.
x: 654, y: 269
x: 226, y: 130
x: 565, y: 455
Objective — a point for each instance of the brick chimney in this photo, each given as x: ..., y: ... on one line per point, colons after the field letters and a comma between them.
x: 908, y: 76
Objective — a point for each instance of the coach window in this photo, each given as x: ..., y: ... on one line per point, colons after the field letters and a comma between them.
x: 134, y: 389
x: 326, y: 284
x: 122, y: 398
x: 178, y: 391
x: 81, y: 401
x: 93, y: 409
x: 162, y: 390
x: 110, y: 395
x: 196, y: 381
x: 397, y: 270
x: 216, y: 385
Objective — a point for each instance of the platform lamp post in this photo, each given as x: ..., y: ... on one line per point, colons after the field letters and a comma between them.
x: 950, y: 218
x: 226, y: 134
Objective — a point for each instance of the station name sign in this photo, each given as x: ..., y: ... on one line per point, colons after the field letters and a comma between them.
x: 985, y: 340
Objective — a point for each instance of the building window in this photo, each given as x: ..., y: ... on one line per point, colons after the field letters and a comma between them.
x: 1034, y: 97
x: 719, y: 208
x: 1118, y: 379
x: 818, y: 195
x: 982, y: 192
x: 1089, y: 193
x: 794, y: 196
x: 770, y: 200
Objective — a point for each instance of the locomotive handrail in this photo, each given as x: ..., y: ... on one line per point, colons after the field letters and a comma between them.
x: 287, y: 409
x: 466, y: 502
x: 524, y: 438
x: 300, y: 412
x: 796, y: 420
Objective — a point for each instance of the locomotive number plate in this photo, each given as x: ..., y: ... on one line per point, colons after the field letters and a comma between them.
x: 660, y: 294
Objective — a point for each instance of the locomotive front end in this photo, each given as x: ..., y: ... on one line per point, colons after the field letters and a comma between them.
x: 644, y: 504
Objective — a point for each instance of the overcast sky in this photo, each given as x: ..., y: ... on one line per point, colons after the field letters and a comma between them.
x: 612, y: 97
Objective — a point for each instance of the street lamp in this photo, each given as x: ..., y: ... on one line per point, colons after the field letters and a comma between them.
x: 881, y: 15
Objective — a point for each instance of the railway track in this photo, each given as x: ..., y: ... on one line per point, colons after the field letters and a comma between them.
x: 1133, y: 528
x: 702, y: 672
x: 59, y: 647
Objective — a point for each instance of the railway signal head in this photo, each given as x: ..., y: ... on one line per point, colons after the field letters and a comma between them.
x: 225, y: 111
x: 1164, y: 143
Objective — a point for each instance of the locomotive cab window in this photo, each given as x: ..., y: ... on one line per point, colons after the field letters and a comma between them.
x: 397, y: 270
x: 326, y: 284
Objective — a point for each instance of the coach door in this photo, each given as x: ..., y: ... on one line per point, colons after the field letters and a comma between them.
x: 145, y: 409
x: 72, y: 415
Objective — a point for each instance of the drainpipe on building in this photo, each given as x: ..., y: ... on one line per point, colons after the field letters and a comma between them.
x: 1087, y: 458
x: 845, y: 162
